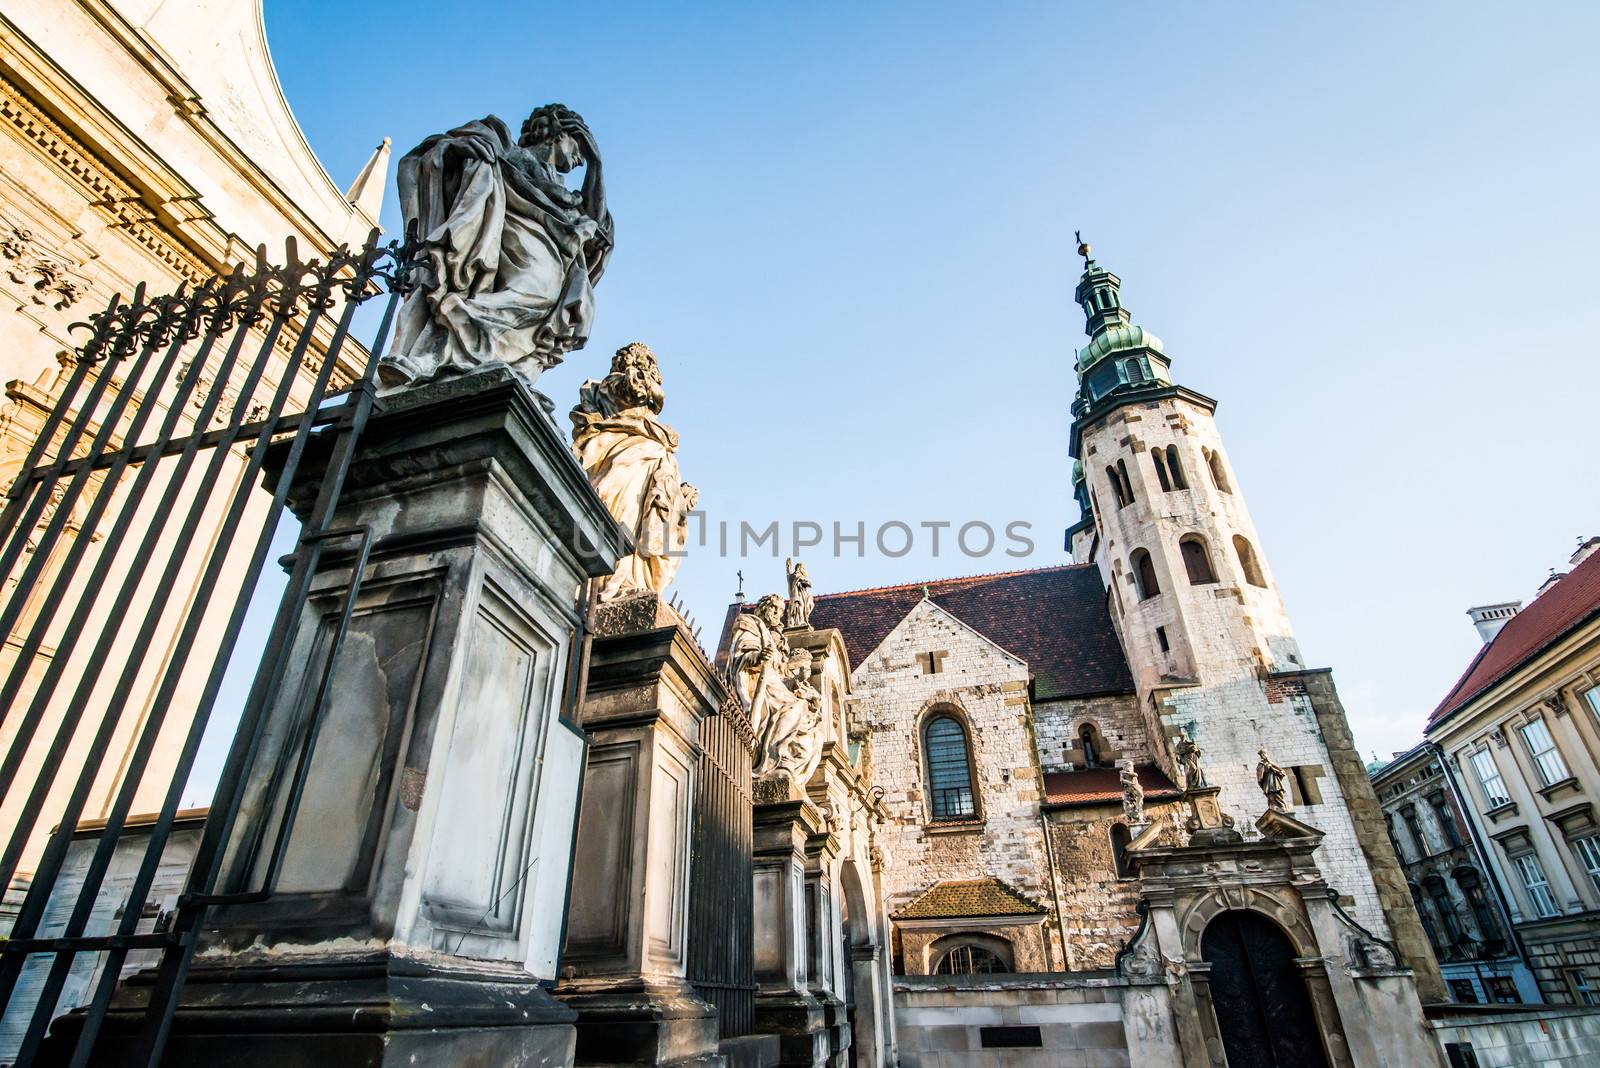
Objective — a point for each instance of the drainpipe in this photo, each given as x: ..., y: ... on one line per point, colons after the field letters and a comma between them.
x: 1463, y: 801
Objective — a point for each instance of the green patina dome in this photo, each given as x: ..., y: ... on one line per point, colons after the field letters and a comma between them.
x: 1077, y: 472
x: 1115, y: 338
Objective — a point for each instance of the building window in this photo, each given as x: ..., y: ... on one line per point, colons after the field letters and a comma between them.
x: 1120, y: 837
x: 1219, y: 477
x: 1542, y: 748
x: 1446, y: 821
x: 1502, y: 991
x: 1127, y: 486
x: 1472, y: 889
x: 1463, y: 991
x: 1144, y: 575
x: 933, y: 661
x: 1533, y: 880
x: 1158, y: 458
x: 1176, y: 469
x: 949, y: 769
x: 1161, y: 640
x: 1588, y: 851
x: 1494, y: 787
x: 1196, y: 560
x: 1422, y: 914
x: 1582, y: 987
x: 1592, y: 695
x: 1247, y: 562
x: 1135, y: 372
x: 1118, y: 477
x: 1446, y: 910
x: 970, y: 960
x: 1409, y: 815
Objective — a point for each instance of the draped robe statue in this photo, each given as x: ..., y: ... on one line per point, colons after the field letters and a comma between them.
x: 1271, y: 777
x: 772, y: 684
x: 631, y: 459
x: 510, y: 254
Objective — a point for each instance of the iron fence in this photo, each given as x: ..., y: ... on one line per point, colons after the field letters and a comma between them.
x: 131, y: 542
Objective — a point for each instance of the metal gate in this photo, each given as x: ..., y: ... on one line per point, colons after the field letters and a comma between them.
x: 721, y: 921
x: 1263, y: 1008
x: 130, y: 544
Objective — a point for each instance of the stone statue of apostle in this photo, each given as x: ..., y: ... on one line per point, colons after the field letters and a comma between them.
x: 509, y: 255
x: 631, y: 459
x: 1270, y: 777
x: 772, y: 683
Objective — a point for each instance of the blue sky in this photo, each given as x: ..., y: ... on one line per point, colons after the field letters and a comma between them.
x: 846, y: 229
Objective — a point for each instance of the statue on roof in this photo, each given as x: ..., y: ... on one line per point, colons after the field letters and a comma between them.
x: 1271, y: 778
x: 1188, y: 754
x: 631, y: 459
x: 509, y: 254
x: 798, y: 611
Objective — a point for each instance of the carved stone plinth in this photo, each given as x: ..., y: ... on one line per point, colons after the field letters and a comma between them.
x: 424, y: 877
x: 785, y: 1005
x: 649, y: 688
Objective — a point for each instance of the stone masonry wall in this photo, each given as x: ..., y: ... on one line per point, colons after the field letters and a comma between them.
x: 1100, y: 909
x: 1116, y: 717
x: 988, y: 688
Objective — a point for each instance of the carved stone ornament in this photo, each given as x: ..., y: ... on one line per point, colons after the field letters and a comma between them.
x: 1272, y: 780
x: 773, y: 685
x: 509, y: 255
x: 797, y: 613
x: 1189, y: 754
x: 1132, y: 793
x: 34, y: 267
x: 631, y: 459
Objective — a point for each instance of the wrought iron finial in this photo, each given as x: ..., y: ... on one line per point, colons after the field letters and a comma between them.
x: 1083, y: 247
x: 739, y: 594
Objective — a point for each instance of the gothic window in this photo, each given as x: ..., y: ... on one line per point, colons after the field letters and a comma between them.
x: 1144, y: 575
x: 1175, y: 469
x: 1494, y: 787
x: 1120, y: 837
x: 950, y: 796
x: 1196, y: 560
x: 1127, y: 486
x: 1247, y: 562
x: 968, y: 959
x: 1542, y: 747
x: 1092, y: 745
x: 1159, y: 460
x: 1123, y: 496
x: 1219, y: 477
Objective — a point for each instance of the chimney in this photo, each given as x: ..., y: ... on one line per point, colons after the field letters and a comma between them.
x: 1489, y: 618
x: 1586, y: 548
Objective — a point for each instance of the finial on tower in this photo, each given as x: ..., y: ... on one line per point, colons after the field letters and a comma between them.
x: 1083, y: 247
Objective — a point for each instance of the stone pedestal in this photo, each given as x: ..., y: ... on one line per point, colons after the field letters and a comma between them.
x: 423, y: 878
x: 649, y: 687
x: 785, y: 822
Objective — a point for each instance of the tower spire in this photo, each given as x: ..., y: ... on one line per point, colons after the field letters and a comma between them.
x: 1120, y: 356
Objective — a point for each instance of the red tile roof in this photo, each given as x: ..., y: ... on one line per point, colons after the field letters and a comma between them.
x: 1570, y: 602
x: 1053, y: 618
x: 1098, y: 786
x: 967, y: 898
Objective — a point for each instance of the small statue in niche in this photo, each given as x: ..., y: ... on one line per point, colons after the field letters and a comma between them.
x: 798, y: 611
x: 510, y: 255
x: 1272, y: 780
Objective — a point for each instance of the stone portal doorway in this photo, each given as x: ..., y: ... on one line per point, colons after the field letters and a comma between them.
x: 1264, y: 1010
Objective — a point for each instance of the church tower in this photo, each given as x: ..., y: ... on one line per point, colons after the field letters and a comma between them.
x: 1201, y: 621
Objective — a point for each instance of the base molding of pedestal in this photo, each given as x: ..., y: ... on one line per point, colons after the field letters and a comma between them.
x: 355, y: 1014
x: 643, y: 1022
x: 800, y: 1023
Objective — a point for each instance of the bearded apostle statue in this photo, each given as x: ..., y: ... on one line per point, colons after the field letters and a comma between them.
x: 509, y: 254
x: 772, y: 683
x: 631, y: 459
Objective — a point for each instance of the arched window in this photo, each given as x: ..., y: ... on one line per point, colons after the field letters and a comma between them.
x: 1120, y: 837
x: 1127, y: 486
x: 968, y: 959
x: 1116, y: 486
x: 1219, y: 477
x: 1144, y: 574
x: 1247, y: 562
x: 1178, y: 481
x: 944, y: 741
x: 1157, y: 458
x: 1135, y: 371
x: 1196, y: 560
x: 1091, y: 750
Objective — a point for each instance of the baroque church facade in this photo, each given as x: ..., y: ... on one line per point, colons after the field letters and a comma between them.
x: 1121, y: 770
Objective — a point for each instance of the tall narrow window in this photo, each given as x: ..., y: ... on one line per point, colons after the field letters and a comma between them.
x: 1219, y: 476
x: 1446, y: 910
x: 1091, y: 750
x: 1592, y: 695
x: 1542, y: 748
x: 1116, y: 486
x: 1531, y: 872
x: 1144, y: 574
x: 1409, y: 815
x: 1196, y: 560
x: 1127, y: 487
x: 1494, y: 787
x: 949, y: 770
x: 1472, y: 889
x: 1446, y: 820
x: 1135, y: 371
x: 1588, y: 851
x: 1247, y: 562
x: 1160, y: 461
x: 1175, y: 469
